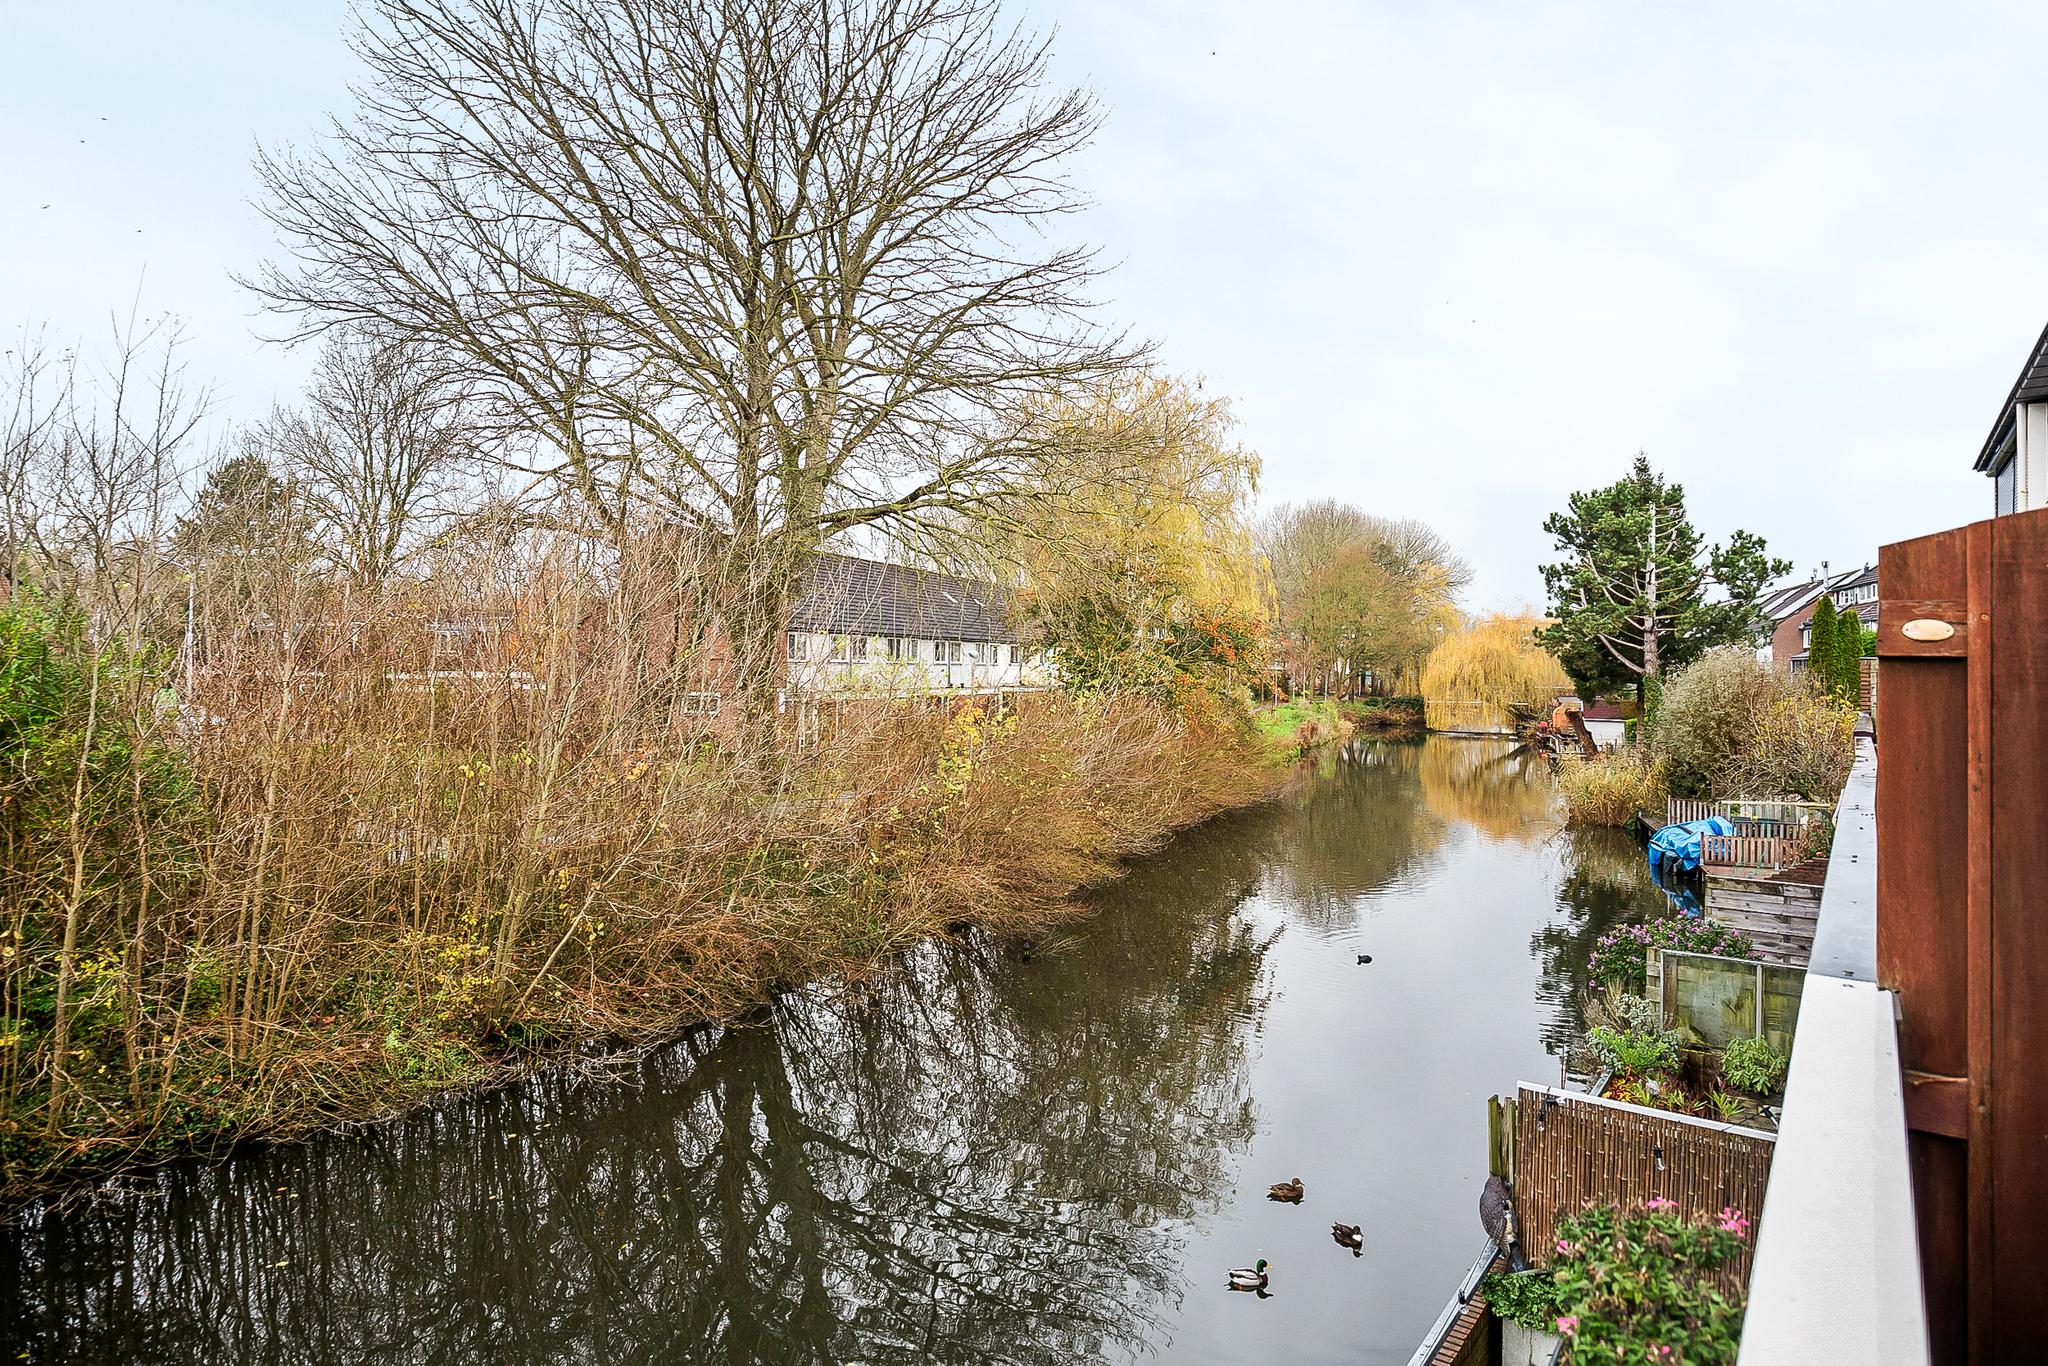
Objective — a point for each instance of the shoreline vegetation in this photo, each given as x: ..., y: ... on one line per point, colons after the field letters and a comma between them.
x: 324, y: 901
x: 1723, y: 727
x: 321, y: 892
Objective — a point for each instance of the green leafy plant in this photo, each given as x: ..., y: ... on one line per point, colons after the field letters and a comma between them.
x: 1529, y: 1298
x: 1634, y: 1286
x: 1820, y: 642
x: 1727, y: 1107
x: 1636, y: 1053
x: 1754, y: 1066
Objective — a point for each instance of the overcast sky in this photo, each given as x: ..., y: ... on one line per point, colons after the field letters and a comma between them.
x: 1452, y: 261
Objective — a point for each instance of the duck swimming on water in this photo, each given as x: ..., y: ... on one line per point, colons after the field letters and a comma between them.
x: 1288, y: 1191
x: 1249, y: 1277
x: 1349, y: 1235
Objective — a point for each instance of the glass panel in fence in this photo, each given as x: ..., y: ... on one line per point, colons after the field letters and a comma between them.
x: 1782, y: 986
x: 1713, y: 997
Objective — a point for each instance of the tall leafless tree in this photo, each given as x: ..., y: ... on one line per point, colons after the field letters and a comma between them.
x: 765, y: 270
x: 371, y: 451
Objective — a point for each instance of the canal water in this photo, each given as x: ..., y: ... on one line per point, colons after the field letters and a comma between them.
x: 999, y: 1153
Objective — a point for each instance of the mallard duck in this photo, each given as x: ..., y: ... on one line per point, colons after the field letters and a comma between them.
x: 1289, y: 1191
x: 1348, y: 1235
x: 1249, y: 1277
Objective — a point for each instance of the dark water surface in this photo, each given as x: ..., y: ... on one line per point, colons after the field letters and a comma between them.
x: 986, y: 1157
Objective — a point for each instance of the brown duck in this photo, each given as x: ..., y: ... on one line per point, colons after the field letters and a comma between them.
x: 1289, y: 1191
x: 1349, y: 1235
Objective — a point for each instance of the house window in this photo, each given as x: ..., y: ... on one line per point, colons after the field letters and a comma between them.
x: 1013, y: 654
x: 901, y: 647
x: 700, y: 704
x: 2006, y: 489
x: 857, y: 648
x: 946, y: 651
x: 797, y: 645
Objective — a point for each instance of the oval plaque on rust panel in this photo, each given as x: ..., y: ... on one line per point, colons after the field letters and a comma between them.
x: 1927, y: 628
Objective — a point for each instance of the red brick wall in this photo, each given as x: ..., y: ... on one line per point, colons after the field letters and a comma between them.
x: 1785, y: 640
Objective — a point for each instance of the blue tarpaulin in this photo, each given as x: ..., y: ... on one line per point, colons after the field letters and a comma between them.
x: 1676, y: 848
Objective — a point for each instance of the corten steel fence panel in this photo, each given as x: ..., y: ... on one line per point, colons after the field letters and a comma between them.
x: 1962, y: 816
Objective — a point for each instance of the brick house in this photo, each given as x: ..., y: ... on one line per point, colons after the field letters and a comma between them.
x: 1790, y: 611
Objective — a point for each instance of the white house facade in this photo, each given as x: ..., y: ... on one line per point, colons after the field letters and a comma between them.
x: 2015, y: 455
x: 866, y: 627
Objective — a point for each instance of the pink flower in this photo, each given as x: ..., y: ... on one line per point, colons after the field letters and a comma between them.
x: 1568, y: 1324
x: 1660, y: 1351
x: 1733, y: 1221
x: 1565, y: 1248
x: 1658, y: 1202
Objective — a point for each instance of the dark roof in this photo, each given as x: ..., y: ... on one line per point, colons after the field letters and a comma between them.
x: 2030, y: 387
x: 1784, y: 602
x: 1790, y: 602
x: 844, y: 595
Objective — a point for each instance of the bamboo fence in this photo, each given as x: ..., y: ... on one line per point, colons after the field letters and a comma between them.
x: 1585, y: 1150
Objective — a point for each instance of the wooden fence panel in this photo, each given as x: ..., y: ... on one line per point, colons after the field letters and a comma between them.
x: 1747, y: 851
x: 1679, y: 810
x: 1587, y: 1151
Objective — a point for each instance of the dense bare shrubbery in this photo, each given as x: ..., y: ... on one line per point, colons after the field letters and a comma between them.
x: 1801, y: 745
x: 1706, y: 715
x: 1731, y: 726
x: 346, y: 883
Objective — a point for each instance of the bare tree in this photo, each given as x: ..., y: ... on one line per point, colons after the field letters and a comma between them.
x: 766, y: 270
x: 1372, y: 592
x: 370, y: 453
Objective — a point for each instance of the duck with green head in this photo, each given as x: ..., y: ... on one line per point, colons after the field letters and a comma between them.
x: 1249, y: 1277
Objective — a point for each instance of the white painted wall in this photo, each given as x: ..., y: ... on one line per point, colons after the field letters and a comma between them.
x: 2030, y: 439
x: 837, y: 664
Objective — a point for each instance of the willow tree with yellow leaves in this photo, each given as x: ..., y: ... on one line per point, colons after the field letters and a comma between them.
x: 1477, y: 679
x: 1135, y: 559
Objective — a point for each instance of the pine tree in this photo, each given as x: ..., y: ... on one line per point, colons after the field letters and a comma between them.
x: 1640, y: 591
x: 1820, y: 644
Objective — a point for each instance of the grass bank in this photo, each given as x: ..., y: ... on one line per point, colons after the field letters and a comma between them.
x: 342, y: 892
x: 1288, y: 730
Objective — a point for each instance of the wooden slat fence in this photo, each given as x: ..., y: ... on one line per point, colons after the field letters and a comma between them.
x: 1679, y: 810
x: 1748, y: 851
x: 1589, y: 1151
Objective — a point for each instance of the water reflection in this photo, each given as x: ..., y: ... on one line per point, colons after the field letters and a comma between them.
x: 1351, y: 838
x: 1501, y: 790
x: 1605, y: 883
x: 973, y: 1158
x: 961, y: 1163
